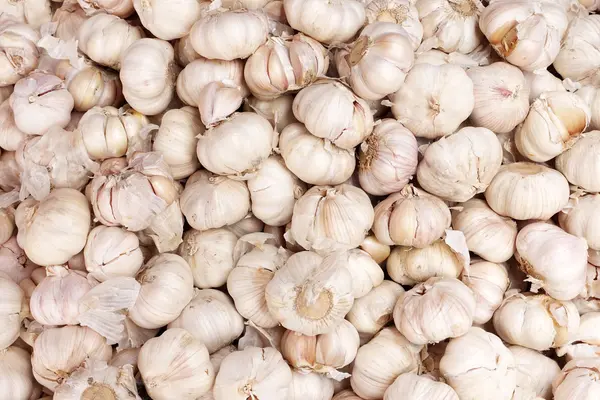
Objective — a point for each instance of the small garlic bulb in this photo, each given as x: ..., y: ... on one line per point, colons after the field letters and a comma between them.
x: 461, y: 165
x: 310, y: 294
x: 525, y: 190
x: 580, y: 218
x: 535, y: 371
x: 330, y: 164
x: 58, y: 352
x: 16, y: 379
x: 167, y: 287
x: 489, y: 235
x: 579, y: 164
x: 19, y: 51
x: 410, y: 386
x: 541, y: 81
x: 277, y: 111
x: 148, y: 73
x: 426, y: 104
x: 525, y: 33
x: 14, y: 310
x: 380, y: 361
x: 166, y: 21
x: 175, y: 364
x: 411, y: 217
x: 311, y: 386
x: 327, y: 218
x: 110, y: 252
x: 211, y: 318
x: 477, y: 365
x: 578, y: 380
x: 10, y: 135
x: 68, y: 19
x: 328, y: 22
x: 388, y: 158
x: 373, y: 311
x: 55, y: 229
x: 259, y: 373
x: 489, y: 282
x: 229, y: 34
x: 554, y: 260
x: 578, y: 58
x: 211, y: 201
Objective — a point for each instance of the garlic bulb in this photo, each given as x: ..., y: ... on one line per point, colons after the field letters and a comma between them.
x: 379, y: 362
x: 310, y: 294
x: 330, y: 110
x: 237, y: 146
x: 411, y: 386
x: 16, y: 379
x: 437, y: 57
x: 577, y: 380
x: 44, y: 95
x: 175, y: 364
x: 68, y: 19
x: 184, y: 52
x: 525, y: 190
x: 579, y: 164
x: 311, y: 386
x: 176, y: 140
x: 330, y: 165
x: 373, y: 311
x: 366, y: 274
x: 211, y: 318
x: 19, y: 52
x: 578, y: 58
x: 167, y: 287
x: 461, y: 165
x: 14, y: 310
x: 488, y: 281
x: 167, y: 22
x: 259, y: 373
x: 591, y: 97
x: 426, y: 104
x: 328, y: 218
x: 120, y: 8
x: 488, y: 234
x: 400, y: 12
x: 277, y: 111
x: 541, y: 81
x: 111, y: 252
x: 284, y: 64
x: 526, y: 33
x: 58, y: 352
x: 14, y: 262
x: 55, y: 229
x: 554, y: 260
x: 579, y: 219
x: 10, y: 135
x: 534, y: 371
x: 240, y: 33
x: 388, y: 158
x: 105, y: 37
x: 411, y: 217
x: 211, y: 201
x: 148, y: 73
x: 258, y: 259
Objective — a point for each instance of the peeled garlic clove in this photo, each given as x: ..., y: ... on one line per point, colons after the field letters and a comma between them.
x: 175, y: 364
x: 19, y: 51
x: 167, y: 22
x: 310, y: 294
x: 489, y: 282
x: 372, y: 312
x: 541, y: 81
x: 525, y: 190
x: 16, y: 379
x: 583, y: 152
x: 14, y: 310
x: 534, y: 370
x: 111, y: 252
x: 327, y: 219
x: 578, y: 379
x: 411, y: 386
x: 579, y: 218
x: 378, y: 251
x: 578, y: 56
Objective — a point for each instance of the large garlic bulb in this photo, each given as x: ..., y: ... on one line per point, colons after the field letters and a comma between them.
x: 580, y: 218
x: 554, y: 260
x: 525, y: 33
x: 527, y: 191
x: 211, y: 318
x: 410, y: 386
x: 488, y: 282
x: 478, y: 366
x: 579, y: 164
x: 427, y: 103
x: 579, y: 56
x: 310, y: 294
x: 19, y: 51
x: 165, y: 20
x: 13, y: 311
x: 327, y: 219
x: 311, y: 386
x: 411, y: 217
x: 370, y: 313
x: 578, y: 380
x: 535, y: 371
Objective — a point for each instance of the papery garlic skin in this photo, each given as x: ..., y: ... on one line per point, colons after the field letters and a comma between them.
x: 14, y: 310
x: 365, y: 272
x: 437, y: 57
x: 184, y: 52
x: 534, y: 370
x: 14, y: 262
x: 427, y: 104
x: 175, y: 364
x: 329, y: 22
x: 120, y: 8
x: 527, y: 34
x: 167, y: 22
x: 555, y: 260
x: 541, y: 81
x: 411, y: 386
x: 373, y: 311
x: 68, y: 19
x: 579, y: 56
x: 478, y: 365
x: 311, y: 386
x: 16, y: 378
x: 580, y: 165
x: 380, y: 361
x: 581, y: 218
x: 10, y: 135
x: 327, y: 219
x: 591, y: 96
x: 32, y: 12
x: 577, y: 380
x: 488, y: 281
x: 19, y: 51
x: 400, y: 12
x: 525, y: 190
x: 346, y: 395
x: 330, y: 165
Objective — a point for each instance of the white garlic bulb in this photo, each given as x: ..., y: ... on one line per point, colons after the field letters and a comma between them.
x: 577, y: 380
x: 330, y: 164
x: 311, y: 386
x: 461, y: 165
x: 579, y: 219
x: 541, y: 81
x: 525, y: 190
x: 426, y: 104
x: 388, y: 158
x: 526, y: 33
x: 277, y: 111
x: 167, y: 287
x: 19, y: 52
x: 488, y: 281
x: 380, y: 361
x: 327, y: 219
x: 535, y: 371
x: 591, y: 97
x: 327, y: 22
x: 554, y: 260
x: 259, y: 373
x: 411, y: 217
x: 14, y: 310
x: 579, y: 164
x: 400, y: 12
x: 211, y: 318
x: 477, y: 365
x: 10, y: 135
x: 411, y: 386
x: 310, y: 294
x: 175, y: 364
x: 120, y: 8
x: 373, y: 311
x: 578, y: 58
x: 167, y: 22
x: 16, y: 379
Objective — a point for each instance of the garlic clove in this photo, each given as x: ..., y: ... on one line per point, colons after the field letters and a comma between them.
x: 372, y: 312
x: 541, y: 81
x: 365, y: 272
x: 218, y: 100
x: 571, y: 162
x: 10, y: 135
x: 277, y: 111
x: 248, y: 224
x: 14, y: 310
x: 378, y: 251
x: 16, y: 378
x: 19, y: 52
x: 313, y: 386
x: 415, y: 387
x: 14, y: 262
x: 489, y: 282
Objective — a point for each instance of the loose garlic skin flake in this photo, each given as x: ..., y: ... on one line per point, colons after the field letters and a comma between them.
x: 580, y: 164
x: 168, y: 21
x: 535, y: 371
x: 427, y: 103
x: 16, y: 378
x: 578, y: 380
x: 373, y: 311
x: 525, y: 191
x: 410, y: 386
x: 579, y: 56
x: 20, y: 54
x: 488, y: 282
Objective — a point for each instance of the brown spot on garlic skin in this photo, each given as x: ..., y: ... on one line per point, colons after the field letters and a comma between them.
x: 99, y: 392
x: 396, y: 15
x: 359, y: 50
x: 370, y: 155
x: 466, y: 8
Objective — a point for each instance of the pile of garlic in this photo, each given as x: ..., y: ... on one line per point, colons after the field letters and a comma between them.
x: 300, y: 199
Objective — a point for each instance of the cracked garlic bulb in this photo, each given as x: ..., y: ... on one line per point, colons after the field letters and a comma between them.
x: 410, y: 386
x: 579, y: 56
x: 166, y: 21
x: 365, y: 272
x: 578, y: 380
x: 579, y: 164
x: 535, y: 371
x: 541, y: 81
x: 489, y: 282
x: 580, y: 218
x: 591, y: 96
x: 120, y: 8
x: 20, y: 54
x: 14, y: 310
x: 371, y: 312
